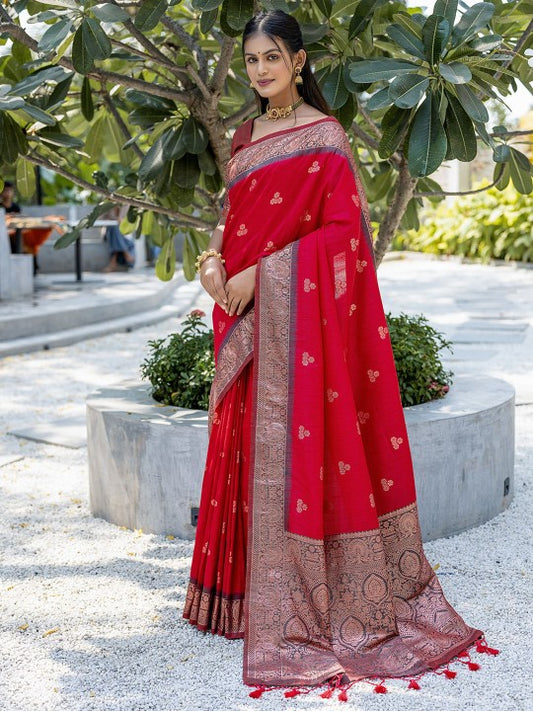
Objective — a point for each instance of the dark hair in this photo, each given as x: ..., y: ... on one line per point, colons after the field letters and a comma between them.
x: 276, y: 23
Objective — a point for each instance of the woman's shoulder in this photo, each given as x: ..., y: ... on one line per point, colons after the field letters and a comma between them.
x: 242, y: 135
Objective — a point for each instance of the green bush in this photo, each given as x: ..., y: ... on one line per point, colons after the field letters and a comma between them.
x: 416, y: 347
x: 182, y: 366
x: 487, y: 225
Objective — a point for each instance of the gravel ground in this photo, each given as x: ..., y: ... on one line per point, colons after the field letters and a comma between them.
x: 90, y: 614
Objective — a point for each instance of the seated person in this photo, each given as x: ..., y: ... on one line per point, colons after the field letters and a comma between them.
x: 121, y: 248
x: 6, y: 198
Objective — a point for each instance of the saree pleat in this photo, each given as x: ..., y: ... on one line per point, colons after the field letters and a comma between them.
x: 215, y: 593
x: 308, y: 542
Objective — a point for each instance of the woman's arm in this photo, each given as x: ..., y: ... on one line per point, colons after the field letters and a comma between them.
x: 212, y: 272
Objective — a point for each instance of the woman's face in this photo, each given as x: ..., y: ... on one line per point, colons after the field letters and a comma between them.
x: 270, y: 70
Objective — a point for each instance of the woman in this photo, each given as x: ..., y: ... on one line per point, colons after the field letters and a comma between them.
x: 308, y: 542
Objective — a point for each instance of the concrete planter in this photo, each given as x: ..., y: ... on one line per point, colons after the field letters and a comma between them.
x: 146, y: 461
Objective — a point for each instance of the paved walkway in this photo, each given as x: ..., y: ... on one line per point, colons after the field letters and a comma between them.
x: 90, y: 613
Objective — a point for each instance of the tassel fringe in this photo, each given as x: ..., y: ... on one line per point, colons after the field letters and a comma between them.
x: 335, y: 683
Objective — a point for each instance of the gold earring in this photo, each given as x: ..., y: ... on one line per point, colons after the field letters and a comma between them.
x: 251, y: 85
x: 298, y: 79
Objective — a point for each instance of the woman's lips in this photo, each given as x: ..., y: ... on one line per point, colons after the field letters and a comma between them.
x: 265, y: 82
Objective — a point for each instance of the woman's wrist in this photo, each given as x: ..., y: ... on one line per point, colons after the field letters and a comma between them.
x: 208, y: 254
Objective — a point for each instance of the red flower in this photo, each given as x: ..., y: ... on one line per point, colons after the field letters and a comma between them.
x: 197, y: 312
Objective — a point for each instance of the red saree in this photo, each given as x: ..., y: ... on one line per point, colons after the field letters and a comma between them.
x: 309, y: 472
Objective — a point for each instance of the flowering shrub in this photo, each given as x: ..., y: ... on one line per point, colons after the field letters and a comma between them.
x: 416, y: 347
x: 182, y: 366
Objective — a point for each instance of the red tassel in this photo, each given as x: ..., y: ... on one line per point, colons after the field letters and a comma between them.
x: 449, y: 674
x: 256, y: 693
x: 473, y: 666
x: 343, y: 696
x: 380, y: 689
x: 291, y: 693
x: 491, y: 650
x: 327, y: 694
x: 413, y: 684
x: 464, y: 653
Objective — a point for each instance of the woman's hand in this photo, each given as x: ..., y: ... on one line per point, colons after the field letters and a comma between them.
x: 240, y: 290
x: 213, y: 279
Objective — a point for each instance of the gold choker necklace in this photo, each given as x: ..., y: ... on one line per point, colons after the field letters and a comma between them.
x: 282, y: 111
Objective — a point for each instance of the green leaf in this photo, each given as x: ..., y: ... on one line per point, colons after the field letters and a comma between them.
x: 361, y: 17
x: 333, y: 88
x: 153, y: 162
x: 446, y: 8
x: 90, y: 43
x: 238, y: 12
x: 207, y: 20
x: 427, y: 143
x: 54, y: 137
x: 521, y: 178
x: 473, y: 20
x: 38, y: 78
x: 82, y: 58
x: 54, y: 35
x: 195, y: 137
x: 207, y: 162
x: 460, y: 131
x: 11, y: 103
x: 87, y: 106
x: 409, y: 23
x: 150, y: 12
x: 435, y: 34
x: 166, y: 262
x: 173, y: 143
x: 25, y: 179
x: 501, y: 153
x: 406, y: 40
x: 347, y: 112
x: 473, y: 106
x: 392, y: 130
x: 13, y: 141
x: 521, y: 160
x: 106, y: 12
x: 94, y: 142
x: 67, y: 238
x: 406, y: 91
x: 186, y: 171
x: 486, y: 43
x: 379, y: 100
x: 501, y: 175
x: 205, y: 5
x: 189, y: 259
x: 325, y: 7
x: 455, y: 72
x: 371, y: 70
x: 148, y: 116
x: 38, y: 114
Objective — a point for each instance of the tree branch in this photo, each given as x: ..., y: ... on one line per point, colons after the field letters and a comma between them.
x: 16, y: 32
x: 223, y: 65
x: 189, y: 220
x: 191, y: 71
x: 464, y: 192
x: 190, y: 43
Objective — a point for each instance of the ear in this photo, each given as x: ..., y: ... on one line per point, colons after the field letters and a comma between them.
x: 300, y: 57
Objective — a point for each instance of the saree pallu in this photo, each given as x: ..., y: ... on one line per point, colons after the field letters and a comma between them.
x: 337, y: 583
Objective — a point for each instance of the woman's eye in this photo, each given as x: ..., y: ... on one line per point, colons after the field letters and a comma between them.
x: 273, y: 56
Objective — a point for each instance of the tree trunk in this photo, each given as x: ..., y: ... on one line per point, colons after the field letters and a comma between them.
x: 405, y: 187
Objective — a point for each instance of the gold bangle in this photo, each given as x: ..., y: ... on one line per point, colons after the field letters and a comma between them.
x: 200, y: 259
